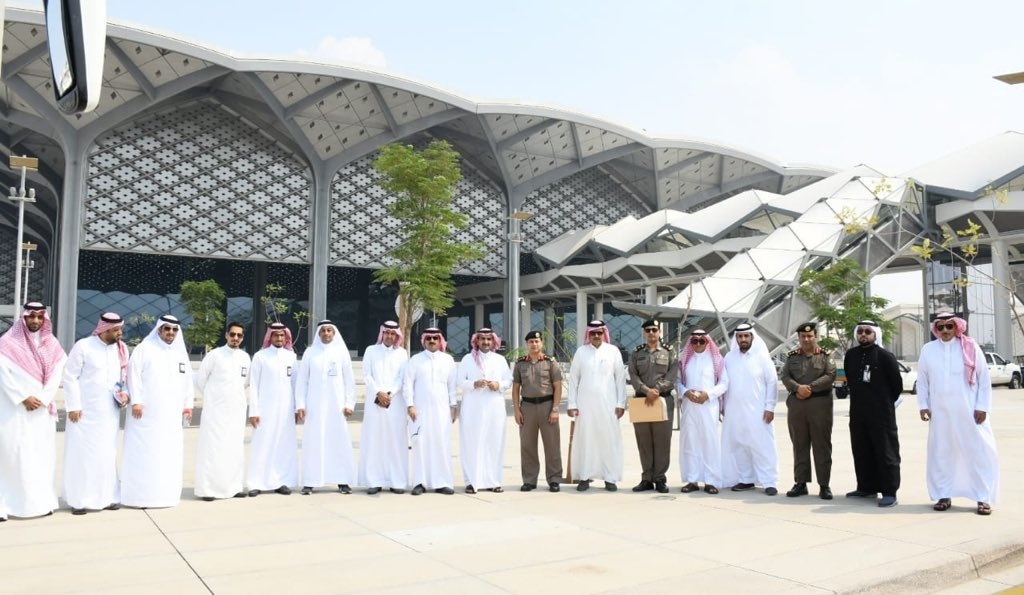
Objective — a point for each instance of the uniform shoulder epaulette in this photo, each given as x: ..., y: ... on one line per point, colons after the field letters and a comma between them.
x: 551, y: 357
x: 794, y: 352
x: 825, y: 351
x: 523, y: 359
x: 641, y: 347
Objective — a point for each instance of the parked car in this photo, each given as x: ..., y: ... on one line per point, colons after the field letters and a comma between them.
x: 1002, y: 371
x: 909, y: 376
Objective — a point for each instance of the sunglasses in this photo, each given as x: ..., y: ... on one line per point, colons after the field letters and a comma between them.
x: 432, y: 338
x: 169, y: 329
x: 698, y: 340
x: 946, y: 327
x: 239, y: 335
x: 596, y: 333
x: 865, y: 331
x: 651, y: 329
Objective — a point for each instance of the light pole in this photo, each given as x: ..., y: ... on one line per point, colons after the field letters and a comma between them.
x: 515, y: 238
x: 19, y: 194
x: 28, y: 247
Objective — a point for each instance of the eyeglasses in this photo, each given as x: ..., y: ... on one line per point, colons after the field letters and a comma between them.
x: 239, y: 335
x: 169, y: 329
x: 865, y: 331
x: 946, y: 327
x: 651, y: 329
x: 698, y: 340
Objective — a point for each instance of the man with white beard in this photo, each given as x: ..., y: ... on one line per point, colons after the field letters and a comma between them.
x: 161, y: 388
x: 31, y: 366
x: 954, y: 394
x: 220, y: 455
x: 384, y: 443
x: 429, y: 390
x: 325, y: 397
x: 748, y: 436
x: 597, y: 399
x: 702, y: 382
x: 484, y: 376
x: 95, y: 391
x: 274, y: 453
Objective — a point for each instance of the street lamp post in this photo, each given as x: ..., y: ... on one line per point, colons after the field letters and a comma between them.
x: 19, y: 195
x: 29, y: 264
x: 515, y: 238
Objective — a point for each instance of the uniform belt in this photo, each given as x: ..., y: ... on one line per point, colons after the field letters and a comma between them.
x: 536, y: 400
x: 644, y: 395
x: 824, y: 393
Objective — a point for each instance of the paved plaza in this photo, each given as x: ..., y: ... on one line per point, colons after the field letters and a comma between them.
x: 541, y: 542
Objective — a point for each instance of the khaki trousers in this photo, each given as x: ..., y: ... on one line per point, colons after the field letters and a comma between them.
x: 535, y: 420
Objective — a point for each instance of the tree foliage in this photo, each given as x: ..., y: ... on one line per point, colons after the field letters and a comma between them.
x: 838, y: 301
x: 423, y: 182
x: 204, y: 302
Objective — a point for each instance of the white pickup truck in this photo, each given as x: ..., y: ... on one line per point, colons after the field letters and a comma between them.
x: 1002, y: 371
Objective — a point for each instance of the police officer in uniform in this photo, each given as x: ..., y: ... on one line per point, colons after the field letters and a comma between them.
x: 653, y: 367
x: 536, y: 395
x: 808, y: 375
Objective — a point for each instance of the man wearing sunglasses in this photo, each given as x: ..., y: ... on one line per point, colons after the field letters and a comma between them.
x: 597, y: 399
x: 429, y: 390
x: 875, y: 386
x: 702, y: 382
x: 223, y: 379
x: 808, y: 375
x: 653, y: 368
x: 954, y: 394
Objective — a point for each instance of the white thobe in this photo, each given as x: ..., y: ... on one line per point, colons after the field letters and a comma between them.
x: 159, y: 379
x: 220, y: 455
x: 384, y: 442
x: 700, y: 446
x: 597, y: 386
x: 482, y: 419
x: 274, y: 450
x: 90, y: 444
x: 429, y: 385
x: 962, y: 456
x: 324, y: 388
x: 28, y: 456
x: 748, y: 443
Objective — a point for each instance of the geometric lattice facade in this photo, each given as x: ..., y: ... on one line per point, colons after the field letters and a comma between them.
x: 197, y: 180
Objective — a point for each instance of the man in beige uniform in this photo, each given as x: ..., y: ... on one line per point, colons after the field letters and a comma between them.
x: 536, y: 394
x: 653, y: 368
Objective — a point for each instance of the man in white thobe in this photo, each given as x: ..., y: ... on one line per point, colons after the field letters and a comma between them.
x: 95, y: 391
x: 702, y: 382
x: 274, y: 453
x: 384, y: 442
x: 483, y: 376
x: 954, y: 394
x: 748, y: 436
x: 223, y: 379
x: 430, y: 395
x: 325, y: 397
x: 31, y: 363
x: 161, y: 388
x: 597, y: 400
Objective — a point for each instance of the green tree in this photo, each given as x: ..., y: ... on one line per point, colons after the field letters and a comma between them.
x: 423, y: 182
x: 204, y: 302
x: 837, y: 295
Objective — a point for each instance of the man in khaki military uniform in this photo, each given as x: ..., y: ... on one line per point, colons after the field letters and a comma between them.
x: 653, y: 368
x: 536, y: 394
x: 808, y: 375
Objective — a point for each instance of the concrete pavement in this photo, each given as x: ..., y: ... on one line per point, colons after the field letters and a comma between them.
x: 568, y: 542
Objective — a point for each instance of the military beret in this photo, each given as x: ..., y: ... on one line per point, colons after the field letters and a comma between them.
x: 648, y: 323
x: 532, y: 335
x: 807, y: 327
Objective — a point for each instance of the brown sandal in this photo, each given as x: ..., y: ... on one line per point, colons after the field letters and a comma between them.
x: 984, y: 509
x: 942, y: 504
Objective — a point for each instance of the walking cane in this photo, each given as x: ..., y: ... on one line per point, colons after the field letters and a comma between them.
x: 568, y: 467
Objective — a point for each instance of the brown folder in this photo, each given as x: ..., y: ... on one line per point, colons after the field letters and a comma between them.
x: 640, y: 413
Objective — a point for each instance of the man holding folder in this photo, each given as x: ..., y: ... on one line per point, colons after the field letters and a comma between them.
x: 653, y: 368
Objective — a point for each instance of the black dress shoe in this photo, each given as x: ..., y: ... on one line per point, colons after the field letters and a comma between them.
x: 305, y: 491
x: 397, y: 491
x: 284, y: 490
x: 643, y: 486
x: 859, y: 494
x: 554, y: 487
x: 112, y: 506
x: 445, y: 491
x: 470, y: 489
x: 690, y: 487
x: 373, y: 491
x: 75, y: 511
x: 528, y: 487
x: 207, y: 498
x: 419, y: 490
x: 344, y: 488
x: 742, y: 487
x: 240, y: 495
x: 798, y: 489
x: 254, y: 493
x: 825, y: 493
x: 771, y: 491
x: 583, y: 486
x: 611, y: 487
x: 661, y: 487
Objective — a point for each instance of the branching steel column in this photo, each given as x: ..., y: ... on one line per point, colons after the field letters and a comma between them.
x: 1002, y: 297
x: 72, y: 206
x: 320, y: 245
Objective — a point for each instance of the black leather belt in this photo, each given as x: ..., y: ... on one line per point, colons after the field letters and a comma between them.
x: 537, y: 400
x: 644, y: 395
